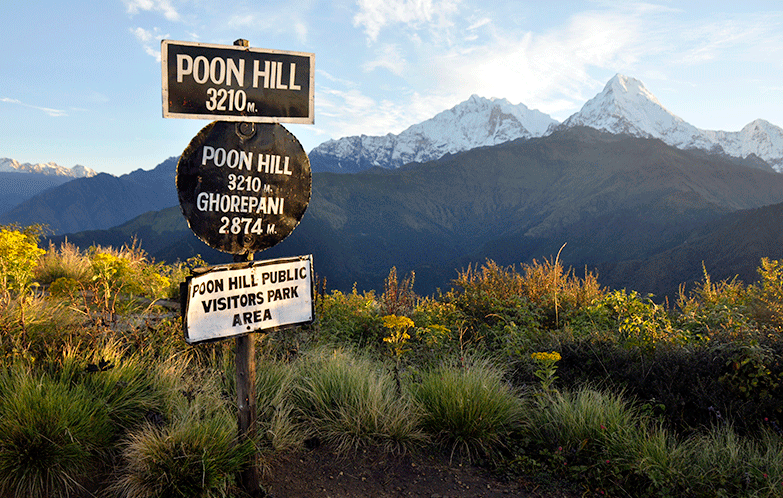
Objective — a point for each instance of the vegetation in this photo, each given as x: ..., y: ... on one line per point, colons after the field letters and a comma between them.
x: 532, y: 371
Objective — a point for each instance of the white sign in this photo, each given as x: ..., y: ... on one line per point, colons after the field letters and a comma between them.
x: 234, y: 300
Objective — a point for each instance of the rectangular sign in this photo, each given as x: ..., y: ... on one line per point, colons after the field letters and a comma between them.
x: 233, y: 83
x: 233, y: 300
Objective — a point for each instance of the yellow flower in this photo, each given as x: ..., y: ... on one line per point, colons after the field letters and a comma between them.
x: 553, y: 357
x: 397, y: 322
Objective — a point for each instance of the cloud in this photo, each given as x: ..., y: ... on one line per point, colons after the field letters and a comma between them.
x: 447, y: 51
x: 734, y: 37
x: 389, y: 57
x: 150, y: 41
x: 374, y: 15
x: 544, y: 70
x: 350, y: 112
x: 163, y: 6
x: 145, y: 36
x: 55, y: 113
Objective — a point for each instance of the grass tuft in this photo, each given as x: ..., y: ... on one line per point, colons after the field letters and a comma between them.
x: 468, y: 409
x: 193, y: 457
x: 50, y: 434
x: 348, y: 402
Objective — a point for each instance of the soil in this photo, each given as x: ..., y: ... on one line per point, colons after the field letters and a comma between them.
x: 321, y: 473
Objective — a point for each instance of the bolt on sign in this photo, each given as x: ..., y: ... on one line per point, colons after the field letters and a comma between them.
x: 243, y: 187
x: 236, y: 83
x: 238, y: 299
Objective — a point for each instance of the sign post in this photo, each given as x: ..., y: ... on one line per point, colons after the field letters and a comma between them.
x: 244, y: 183
x: 247, y: 409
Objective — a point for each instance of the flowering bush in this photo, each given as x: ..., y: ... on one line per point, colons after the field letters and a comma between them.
x: 631, y: 320
x: 19, y: 253
x: 398, y: 333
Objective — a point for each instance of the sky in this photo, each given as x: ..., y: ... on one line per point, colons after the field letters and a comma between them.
x: 80, y: 81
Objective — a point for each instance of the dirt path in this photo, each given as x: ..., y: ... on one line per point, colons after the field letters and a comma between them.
x: 321, y: 473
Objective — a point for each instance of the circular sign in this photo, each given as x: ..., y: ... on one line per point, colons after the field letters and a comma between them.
x: 243, y: 187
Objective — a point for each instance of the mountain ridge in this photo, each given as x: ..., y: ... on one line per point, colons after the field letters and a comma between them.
x: 624, y: 106
x: 100, y: 201
x: 476, y: 122
x: 612, y: 198
x: 8, y: 165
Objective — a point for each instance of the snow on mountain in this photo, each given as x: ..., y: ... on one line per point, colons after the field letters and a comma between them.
x: 626, y: 106
x: 477, y: 122
x: 13, y: 166
x: 758, y: 137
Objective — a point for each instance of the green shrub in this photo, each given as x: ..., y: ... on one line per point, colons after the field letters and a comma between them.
x: 122, y: 383
x: 278, y: 427
x: 725, y: 464
x: 716, y: 311
x: 398, y: 298
x: 558, y: 292
x: 51, y: 434
x: 124, y: 273
x: 346, y: 401
x: 512, y: 312
x: 352, y: 319
x: 583, y: 422
x: 192, y: 458
x: 635, y: 321
x: 652, y: 462
x: 275, y: 384
x: 496, y: 314
x: 580, y: 435
x: 770, y: 293
x: 48, y: 326
x: 470, y: 410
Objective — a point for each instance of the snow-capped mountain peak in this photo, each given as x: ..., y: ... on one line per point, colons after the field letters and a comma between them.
x: 758, y: 137
x: 626, y: 106
x: 476, y: 122
x: 628, y: 89
x: 13, y: 166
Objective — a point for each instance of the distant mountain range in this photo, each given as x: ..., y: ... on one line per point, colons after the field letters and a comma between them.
x: 620, y: 203
x: 100, y: 201
x: 633, y: 190
x: 50, y: 169
x: 477, y: 122
x: 624, y: 106
x: 19, y: 182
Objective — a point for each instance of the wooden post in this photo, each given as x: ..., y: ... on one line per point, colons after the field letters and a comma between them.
x: 246, y: 401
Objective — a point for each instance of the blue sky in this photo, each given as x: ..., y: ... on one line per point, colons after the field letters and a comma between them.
x: 81, y: 80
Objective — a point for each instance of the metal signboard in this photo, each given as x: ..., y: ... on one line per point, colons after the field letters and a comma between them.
x: 238, y: 299
x: 235, y: 83
x: 243, y: 187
